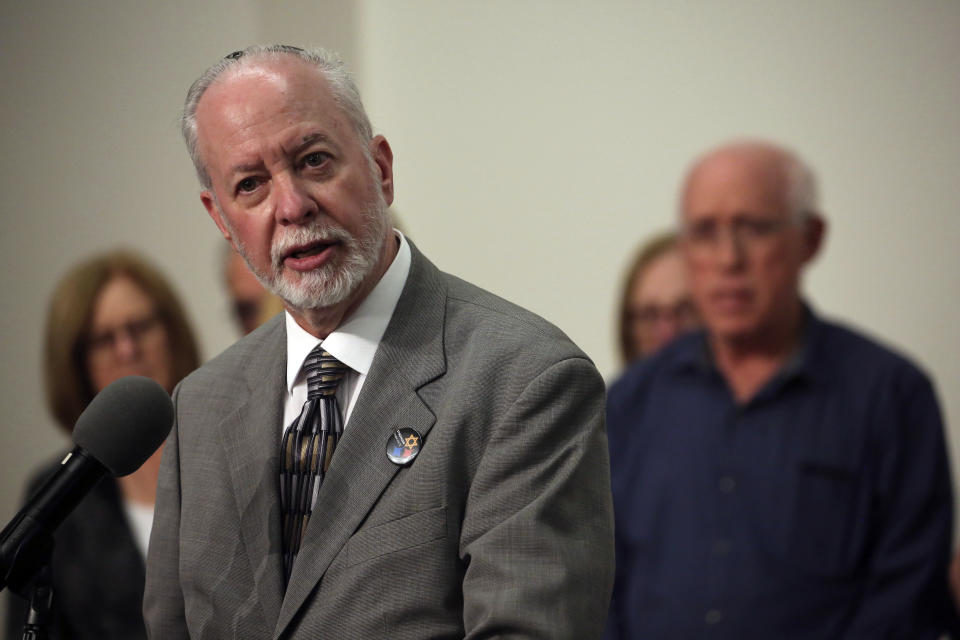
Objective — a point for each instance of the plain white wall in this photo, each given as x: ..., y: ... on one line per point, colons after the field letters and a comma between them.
x: 536, y: 143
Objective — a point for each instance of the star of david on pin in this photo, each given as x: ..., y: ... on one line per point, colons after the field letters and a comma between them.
x: 403, y: 445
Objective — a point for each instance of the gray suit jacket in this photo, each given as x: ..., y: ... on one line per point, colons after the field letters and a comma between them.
x: 501, y: 527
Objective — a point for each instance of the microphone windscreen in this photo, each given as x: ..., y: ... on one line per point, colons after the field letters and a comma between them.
x: 125, y: 423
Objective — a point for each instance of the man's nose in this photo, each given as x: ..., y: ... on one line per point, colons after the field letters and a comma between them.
x: 731, y: 252
x: 292, y: 201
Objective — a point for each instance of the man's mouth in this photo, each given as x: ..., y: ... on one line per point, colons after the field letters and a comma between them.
x: 731, y: 299
x: 306, y: 252
x: 309, y: 256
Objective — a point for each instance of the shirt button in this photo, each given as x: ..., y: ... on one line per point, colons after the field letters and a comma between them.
x: 727, y: 484
x: 721, y: 547
x: 713, y: 616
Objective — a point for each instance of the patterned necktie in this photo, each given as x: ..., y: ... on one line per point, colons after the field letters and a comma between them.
x: 306, y: 449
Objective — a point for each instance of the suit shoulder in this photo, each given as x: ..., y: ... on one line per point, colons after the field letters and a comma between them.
x: 483, y: 317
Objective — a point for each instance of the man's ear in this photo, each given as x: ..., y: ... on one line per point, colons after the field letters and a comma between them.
x: 210, y: 204
x: 383, y: 157
x: 814, y: 235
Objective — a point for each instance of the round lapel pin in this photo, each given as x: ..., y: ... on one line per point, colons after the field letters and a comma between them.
x: 403, y: 445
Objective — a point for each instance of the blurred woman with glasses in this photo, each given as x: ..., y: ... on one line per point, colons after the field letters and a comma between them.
x: 655, y: 304
x: 111, y: 316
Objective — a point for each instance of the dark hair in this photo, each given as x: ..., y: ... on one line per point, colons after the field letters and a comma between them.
x: 67, y: 381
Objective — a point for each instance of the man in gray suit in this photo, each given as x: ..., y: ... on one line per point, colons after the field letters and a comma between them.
x: 500, y: 526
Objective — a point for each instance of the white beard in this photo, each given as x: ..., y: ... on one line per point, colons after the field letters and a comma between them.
x: 337, y: 280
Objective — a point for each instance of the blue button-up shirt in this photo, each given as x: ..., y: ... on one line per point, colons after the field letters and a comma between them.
x: 819, y: 509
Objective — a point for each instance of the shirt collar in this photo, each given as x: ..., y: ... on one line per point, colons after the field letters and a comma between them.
x: 803, y: 363
x: 693, y: 353
x: 355, y: 341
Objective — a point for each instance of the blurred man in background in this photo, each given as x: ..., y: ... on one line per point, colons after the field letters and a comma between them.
x: 788, y: 477
x: 250, y: 304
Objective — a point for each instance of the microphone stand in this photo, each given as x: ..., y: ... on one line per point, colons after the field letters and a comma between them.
x: 25, y: 553
x: 37, y: 625
x: 25, y: 564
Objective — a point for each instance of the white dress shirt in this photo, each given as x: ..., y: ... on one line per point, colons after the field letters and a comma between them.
x: 140, y: 519
x: 353, y: 343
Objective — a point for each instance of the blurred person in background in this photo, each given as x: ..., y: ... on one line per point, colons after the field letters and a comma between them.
x: 250, y: 304
x: 788, y: 476
x: 111, y: 316
x: 655, y: 305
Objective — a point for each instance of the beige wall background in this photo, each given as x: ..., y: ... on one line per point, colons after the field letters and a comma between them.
x: 536, y: 144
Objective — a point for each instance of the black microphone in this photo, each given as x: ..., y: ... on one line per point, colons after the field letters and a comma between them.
x: 122, y: 427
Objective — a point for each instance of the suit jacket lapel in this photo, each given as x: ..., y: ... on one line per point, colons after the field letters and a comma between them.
x: 409, y: 355
x: 251, y: 441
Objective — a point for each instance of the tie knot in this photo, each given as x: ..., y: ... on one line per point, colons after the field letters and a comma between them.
x: 324, y: 373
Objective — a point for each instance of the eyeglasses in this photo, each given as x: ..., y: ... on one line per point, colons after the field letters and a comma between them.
x: 706, y: 236
x: 138, y: 330
x: 286, y: 48
x: 682, y: 314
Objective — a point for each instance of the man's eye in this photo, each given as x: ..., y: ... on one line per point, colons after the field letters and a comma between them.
x: 315, y: 159
x: 247, y: 185
x: 702, y: 231
x: 759, y: 227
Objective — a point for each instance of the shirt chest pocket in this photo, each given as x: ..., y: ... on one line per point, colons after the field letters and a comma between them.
x: 828, y: 518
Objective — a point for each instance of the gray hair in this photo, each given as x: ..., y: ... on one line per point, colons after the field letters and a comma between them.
x: 342, y: 86
x: 802, y: 197
x: 802, y: 193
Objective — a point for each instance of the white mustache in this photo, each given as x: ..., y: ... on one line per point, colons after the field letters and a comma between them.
x: 317, y: 232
